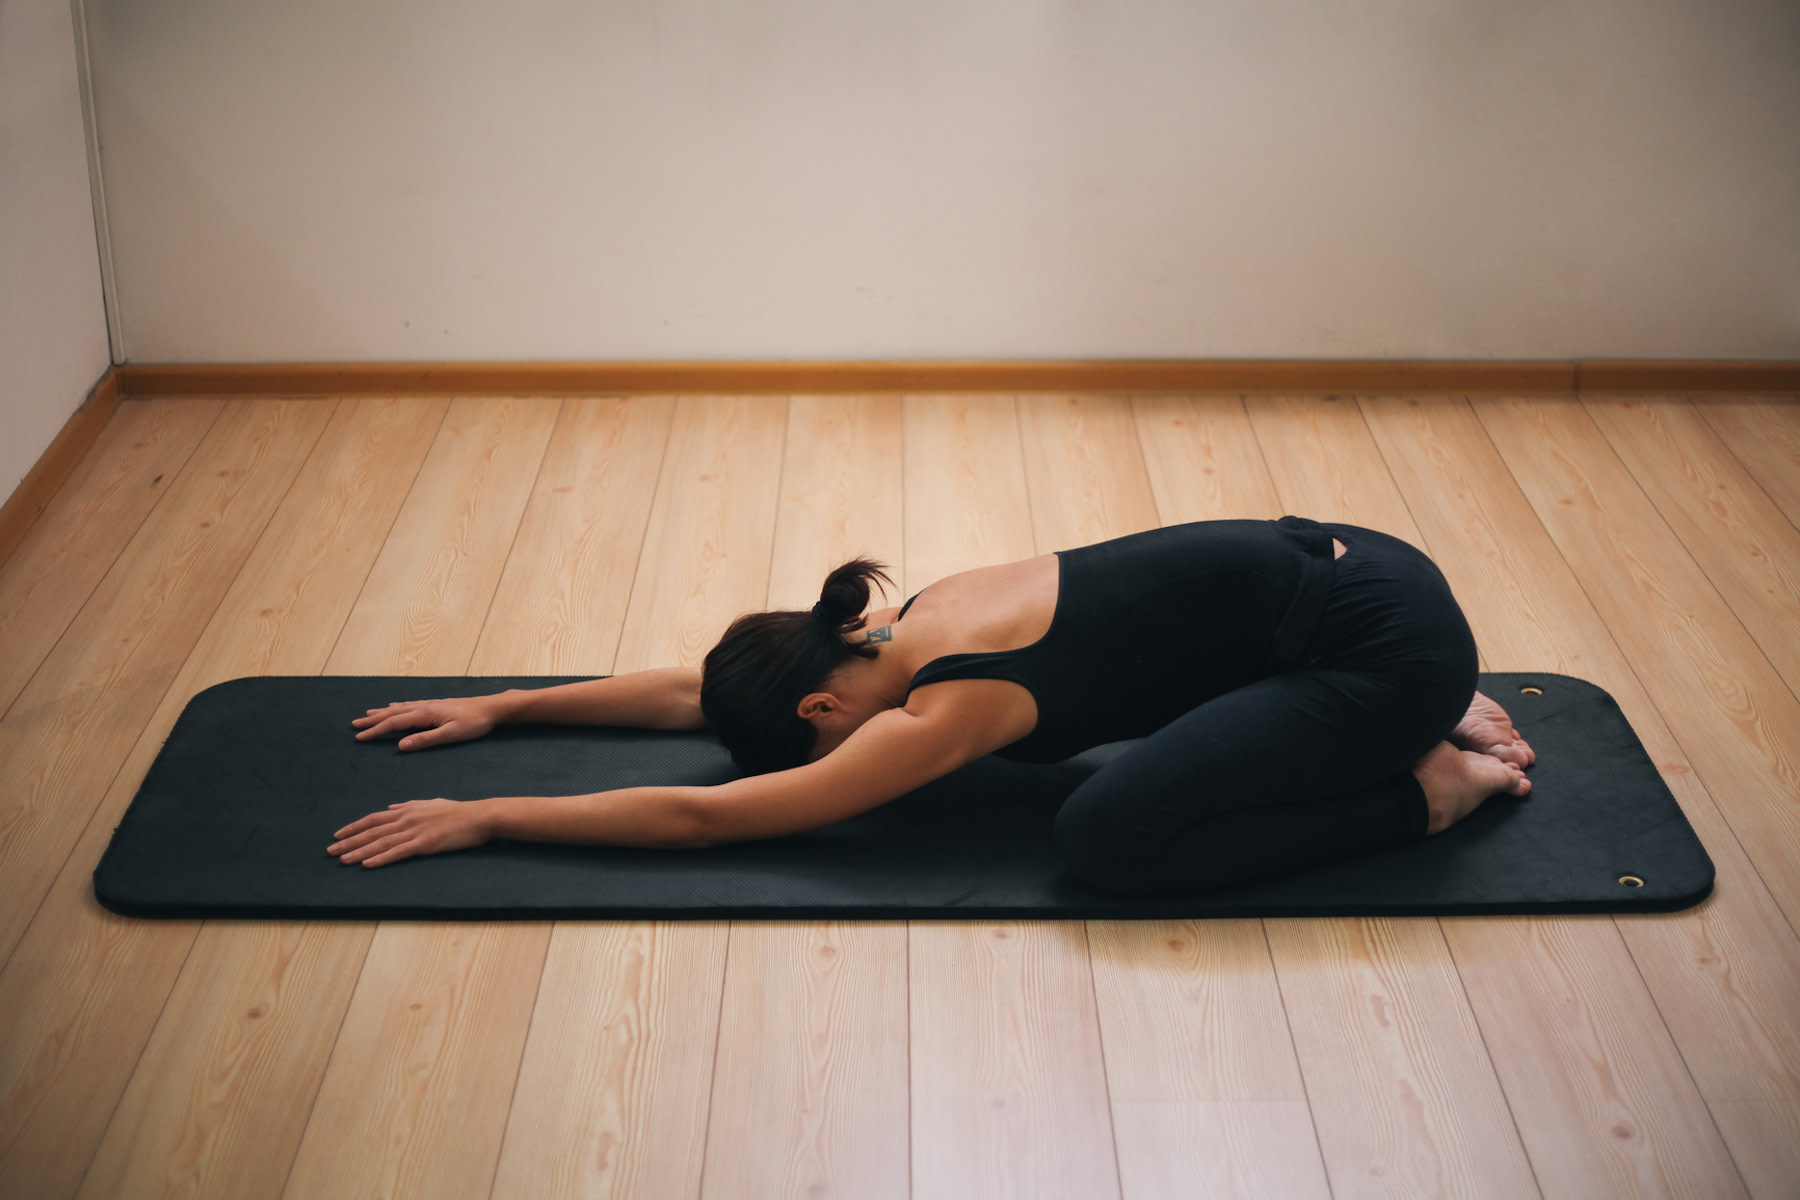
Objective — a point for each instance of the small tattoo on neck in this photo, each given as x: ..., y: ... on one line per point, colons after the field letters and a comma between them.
x: 884, y: 634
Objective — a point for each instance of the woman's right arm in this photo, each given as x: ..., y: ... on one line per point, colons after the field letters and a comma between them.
x: 665, y: 698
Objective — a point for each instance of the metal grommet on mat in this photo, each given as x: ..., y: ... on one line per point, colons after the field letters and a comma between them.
x: 1631, y: 881
x: 1528, y: 690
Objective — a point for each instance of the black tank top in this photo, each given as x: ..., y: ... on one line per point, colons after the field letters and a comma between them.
x: 1148, y: 626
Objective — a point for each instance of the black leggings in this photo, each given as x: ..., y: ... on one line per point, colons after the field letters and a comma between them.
x: 1299, y: 768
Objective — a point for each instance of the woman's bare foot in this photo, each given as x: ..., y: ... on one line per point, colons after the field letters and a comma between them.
x: 1457, y: 781
x: 1486, y: 729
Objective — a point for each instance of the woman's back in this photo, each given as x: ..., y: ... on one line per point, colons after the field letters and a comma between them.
x: 986, y: 609
x: 1127, y: 634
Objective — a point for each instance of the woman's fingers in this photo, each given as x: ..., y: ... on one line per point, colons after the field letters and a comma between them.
x: 389, y: 724
x: 374, y: 841
x: 412, y: 718
x: 395, y: 854
x: 376, y: 825
x: 449, y: 731
x: 408, y: 829
x: 348, y: 847
x: 368, y: 822
x: 377, y: 845
x: 438, y: 722
x: 356, y: 841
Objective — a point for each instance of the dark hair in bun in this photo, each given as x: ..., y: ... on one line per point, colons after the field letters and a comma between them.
x: 754, y: 679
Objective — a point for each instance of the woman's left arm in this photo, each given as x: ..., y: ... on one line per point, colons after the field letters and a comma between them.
x: 893, y: 753
x: 647, y: 816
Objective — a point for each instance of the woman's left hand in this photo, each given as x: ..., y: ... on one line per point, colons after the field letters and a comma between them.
x: 415, y: 827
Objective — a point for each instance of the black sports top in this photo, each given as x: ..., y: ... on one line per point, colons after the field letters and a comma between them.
x: 1148, y: 626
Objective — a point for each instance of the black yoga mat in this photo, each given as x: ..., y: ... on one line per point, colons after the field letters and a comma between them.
x: 235, y: 814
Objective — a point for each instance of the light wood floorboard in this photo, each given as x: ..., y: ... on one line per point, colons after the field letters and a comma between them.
x: 612, y: 1087
x: 251, y: 1021
x: 69, y: 548
x: 1407, y: 1103
x: 1721, y: 975
x: 1205, y: 1080
x: 1732, y: 714
x: 72, y: 725
x: 1205, y: 1087
x: 1738, y: 537
x: 82, y: 989
x: 809, y: 1091
x: 1645, y: 543
x: 616, y: 1085
x: 560, y: 607
x: 1583, y: 1077
x: 1008, y: 1087
x: 1008, y: 1083
x: 1240, y: 1132
x: 415, y: 1097
x: 1764, y: 434
x: 966, y: 504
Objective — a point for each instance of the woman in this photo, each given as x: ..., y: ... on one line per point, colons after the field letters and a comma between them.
x: 1302, y: 691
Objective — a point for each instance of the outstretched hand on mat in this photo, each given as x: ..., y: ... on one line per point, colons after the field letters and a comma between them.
x: 404, y: 830
x: 440, y: 722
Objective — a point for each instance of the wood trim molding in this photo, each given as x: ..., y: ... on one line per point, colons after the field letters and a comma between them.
x: 1720, y: 376
x: 57, y: 462
x: 978, y: 375
x: 728, y: 378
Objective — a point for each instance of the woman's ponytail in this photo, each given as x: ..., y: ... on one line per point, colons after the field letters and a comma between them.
x: 754, y: 679
x: 846, y: 594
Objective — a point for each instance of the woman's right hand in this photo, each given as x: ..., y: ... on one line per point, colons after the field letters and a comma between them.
x: 440, y: 722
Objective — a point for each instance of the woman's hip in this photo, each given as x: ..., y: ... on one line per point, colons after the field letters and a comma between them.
x: 1391, y: 614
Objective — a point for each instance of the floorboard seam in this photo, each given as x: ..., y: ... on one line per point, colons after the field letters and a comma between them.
x: 512, y: 543
x: 519, y: 1071
x: 1681, y: 1056
x: 1299, y: 1064
x: 907, y: 925
x: 75, y: 610
x: 1112, y: 1121
x: 120, y: 1098
x: 637, y: 564
x: 350, y: 609
x: 1025, y: 474
x: 1462, y: 985
x: 1449, y: 951
x: 1689, y: 551
x: 312, y: 1102
x: 712, y: 1076
x: 125, y: 759
x: 224, y: 592
x: 1751, y: 475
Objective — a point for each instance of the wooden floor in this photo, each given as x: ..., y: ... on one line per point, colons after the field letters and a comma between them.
x: 1647, y: 544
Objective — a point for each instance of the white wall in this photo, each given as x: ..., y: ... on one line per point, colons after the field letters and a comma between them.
x: 601, y: 179
x: 52, y: 319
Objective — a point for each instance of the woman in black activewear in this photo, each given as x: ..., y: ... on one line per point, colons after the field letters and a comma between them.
x: 1302, y: 692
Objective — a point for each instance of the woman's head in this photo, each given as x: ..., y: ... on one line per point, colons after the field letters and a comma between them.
x: 754, y: 680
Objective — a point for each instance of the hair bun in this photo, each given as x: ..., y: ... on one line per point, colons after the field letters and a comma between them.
x: 846, y: 593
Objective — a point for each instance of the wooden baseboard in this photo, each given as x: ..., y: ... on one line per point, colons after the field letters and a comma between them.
x: 57, y: 462
x: 728, y: 378
x: 1700, y: 376
x: 1053, y: 375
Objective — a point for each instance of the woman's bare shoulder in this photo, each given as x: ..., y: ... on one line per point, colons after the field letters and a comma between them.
x: 988, y: 608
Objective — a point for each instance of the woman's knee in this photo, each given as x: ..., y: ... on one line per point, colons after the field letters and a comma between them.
x: 1096, y: 851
